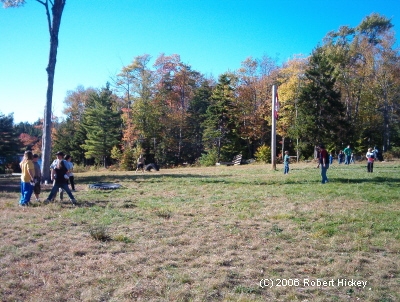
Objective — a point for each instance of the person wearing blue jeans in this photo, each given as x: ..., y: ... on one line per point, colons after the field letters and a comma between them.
x: 286, y: 160
x: 347, y: 152
x: 59, y: 173
x: 27, y: 175
x: 324, y: 163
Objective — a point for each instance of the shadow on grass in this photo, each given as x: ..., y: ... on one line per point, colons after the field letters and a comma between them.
x: 377, y: 180
x: 137, y: 177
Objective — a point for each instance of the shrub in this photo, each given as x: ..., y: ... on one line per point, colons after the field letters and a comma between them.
x: 80, y: 168
x: 392, y: 154
x: 263, y: 154
x: 116, y: 153
x: 99, y: 233
x: 209, y: 159
x: 123, y: 238
x: 128, y: 159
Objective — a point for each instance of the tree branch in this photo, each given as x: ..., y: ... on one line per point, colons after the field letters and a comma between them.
x: 46, y: 5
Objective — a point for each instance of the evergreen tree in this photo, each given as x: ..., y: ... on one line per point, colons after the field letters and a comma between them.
x: 102, y: 122
x: 320, y: 110
x: 8, y: 141
x: 195, y: 119
x: 34, y: 129
x: 69, y: 139
x: 220, y: 127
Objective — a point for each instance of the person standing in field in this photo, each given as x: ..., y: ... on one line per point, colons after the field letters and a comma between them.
x: 60, y: 176
x: 370, y: 158
x: 140, y: 163
x: 323, y: 162
x: 70, y: 167
x: 37, y: 177
x: 340, y: 157
x: 286, y: 160
x: 27, y: 177
x: 352, y: 158
x: 347, y: 153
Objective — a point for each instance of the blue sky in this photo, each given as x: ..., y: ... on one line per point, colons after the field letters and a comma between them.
x: 99, y: 37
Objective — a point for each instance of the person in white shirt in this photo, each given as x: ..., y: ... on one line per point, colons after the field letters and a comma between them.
x: 370, y: 158
x: 70, y: 167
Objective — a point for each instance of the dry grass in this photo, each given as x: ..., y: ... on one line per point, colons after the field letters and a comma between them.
x: 207, y: 234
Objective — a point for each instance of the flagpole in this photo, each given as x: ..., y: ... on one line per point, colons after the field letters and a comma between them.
x: 273, y: 132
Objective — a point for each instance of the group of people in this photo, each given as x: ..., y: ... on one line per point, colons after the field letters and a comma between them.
x: 325, y: 159
x: 61, y: 175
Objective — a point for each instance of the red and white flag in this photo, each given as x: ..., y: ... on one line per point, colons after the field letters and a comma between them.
x: 276, y: 105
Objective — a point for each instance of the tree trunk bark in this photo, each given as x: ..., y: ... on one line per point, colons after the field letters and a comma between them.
x: 54, y: 27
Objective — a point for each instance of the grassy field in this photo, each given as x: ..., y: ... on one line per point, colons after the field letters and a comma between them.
x: 242, y: 233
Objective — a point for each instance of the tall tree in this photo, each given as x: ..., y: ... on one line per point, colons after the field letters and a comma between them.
x: 102, y: 122
x: 135, y: 85
x: 70, y: 134
x: 195, y: 119
x: 54, y: 10
x: 366, y: 63
x: 384, y: 63
x: 291, y: 78
x: 255, y: 78
x: 320, y: 109
x: 176, y: 83
x: 221, y: 127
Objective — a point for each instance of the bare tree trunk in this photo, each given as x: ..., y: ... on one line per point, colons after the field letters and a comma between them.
x: 54, y: 27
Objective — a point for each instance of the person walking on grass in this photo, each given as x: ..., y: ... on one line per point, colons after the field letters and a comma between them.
x: 323, y: 162
x: 27, y: 177
x: 286, y: 160
x: 370, y: 158
x: 59, y: 174
x: 37, y: 177
x: 52, y: 167
x: 347, y: 152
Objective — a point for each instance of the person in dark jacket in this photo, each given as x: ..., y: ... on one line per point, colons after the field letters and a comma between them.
x: 60, y: 175
x: 323, y: 163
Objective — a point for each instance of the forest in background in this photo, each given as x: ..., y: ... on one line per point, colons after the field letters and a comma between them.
x: 345, y: 92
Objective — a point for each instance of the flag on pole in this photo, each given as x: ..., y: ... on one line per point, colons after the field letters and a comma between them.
x: 276, y: 105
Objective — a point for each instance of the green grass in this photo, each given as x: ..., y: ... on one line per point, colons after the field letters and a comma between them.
x: 207, y: 234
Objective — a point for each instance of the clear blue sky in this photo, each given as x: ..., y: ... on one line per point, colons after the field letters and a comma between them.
x: 98, y: 37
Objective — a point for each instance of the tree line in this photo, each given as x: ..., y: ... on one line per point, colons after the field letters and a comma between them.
x: 346, y: 92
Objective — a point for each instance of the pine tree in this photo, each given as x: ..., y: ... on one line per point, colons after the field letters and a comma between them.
x: 9, y: 139
x: 102, y: 123
x: 196, y: 116
x: 220, y: 124
x: 69, y: 139
x: 320, y: 110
